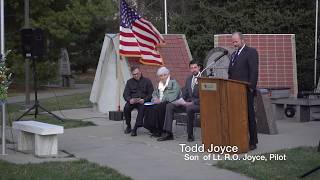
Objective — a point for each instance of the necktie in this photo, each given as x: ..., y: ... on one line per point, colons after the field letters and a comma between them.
x: 193, y: 82
x: 235, y: 57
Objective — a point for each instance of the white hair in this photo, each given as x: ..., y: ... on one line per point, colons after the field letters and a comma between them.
x: 163, y: 70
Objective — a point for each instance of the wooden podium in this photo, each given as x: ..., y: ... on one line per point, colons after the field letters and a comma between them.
x: 224, y: 113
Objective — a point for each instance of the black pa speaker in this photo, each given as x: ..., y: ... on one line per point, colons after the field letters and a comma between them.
x: 26, y: 42
x: 33, y: 43
x: 38, y: 47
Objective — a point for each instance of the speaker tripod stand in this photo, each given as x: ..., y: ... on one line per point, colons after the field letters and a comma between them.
x: 36, y: 105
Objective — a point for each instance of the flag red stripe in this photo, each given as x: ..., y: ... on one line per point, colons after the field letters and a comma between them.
x: 135, y: 44
x: 160, y: 39
x: 144, y: 37
x: 124, y: 34
x: 142, y: 28
x: 125, y: 43
x: 147, y: 46
x: 127, y: 53
x: 150, y: 61
x: 150, y: 53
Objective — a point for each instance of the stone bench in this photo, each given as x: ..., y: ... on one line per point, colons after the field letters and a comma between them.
x: 302, y: 106
x: 38, y: 136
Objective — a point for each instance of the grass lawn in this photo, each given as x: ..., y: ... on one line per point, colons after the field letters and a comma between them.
x: 299, y: 161
x: 70, y: 170
x: 64, y: 102
x: 54, y: 104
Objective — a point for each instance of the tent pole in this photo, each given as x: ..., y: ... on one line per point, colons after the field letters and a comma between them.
x: 165, y: 18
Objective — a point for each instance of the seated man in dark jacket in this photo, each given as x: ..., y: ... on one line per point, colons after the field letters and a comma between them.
x: 191, y: 105
x: 137, y: 91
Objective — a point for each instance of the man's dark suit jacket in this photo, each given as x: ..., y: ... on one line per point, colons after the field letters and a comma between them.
x: 245, y: 67
x: 187, y: 93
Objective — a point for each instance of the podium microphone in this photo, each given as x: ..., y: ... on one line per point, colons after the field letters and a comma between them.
x: 214, y: 61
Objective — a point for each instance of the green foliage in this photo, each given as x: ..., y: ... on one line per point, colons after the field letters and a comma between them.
x: 78, y: 25
x: 4, y: 81
x: 46, y: 70
x: 16, y: 64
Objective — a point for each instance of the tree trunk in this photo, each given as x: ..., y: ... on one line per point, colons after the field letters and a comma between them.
x: 141, y: 6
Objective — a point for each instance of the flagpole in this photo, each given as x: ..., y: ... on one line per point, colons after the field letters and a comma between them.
x: 3, y: 138
x: 2, y: 30
x: 316, y: 46
x: 165, y: 18
x: 118, y: 58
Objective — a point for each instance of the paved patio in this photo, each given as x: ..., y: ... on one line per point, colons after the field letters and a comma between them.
x: 106, y: 144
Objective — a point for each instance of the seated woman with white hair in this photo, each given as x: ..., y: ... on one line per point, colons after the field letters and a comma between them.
x: 167, y: 91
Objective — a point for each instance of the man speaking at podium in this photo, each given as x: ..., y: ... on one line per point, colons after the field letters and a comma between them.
x: 244, y: 67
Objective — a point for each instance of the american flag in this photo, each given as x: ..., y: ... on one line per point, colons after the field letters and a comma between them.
x: 138, y: 37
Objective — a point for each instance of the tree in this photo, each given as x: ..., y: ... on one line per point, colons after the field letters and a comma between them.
x: 78, y: 25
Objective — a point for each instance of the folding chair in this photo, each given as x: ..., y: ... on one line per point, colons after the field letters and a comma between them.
x: 182, y: 120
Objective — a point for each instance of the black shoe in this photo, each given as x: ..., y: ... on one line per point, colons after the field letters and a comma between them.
x: 252, y: 147
x: 168, y: 136
x: 190, y: 138
x: 156, y: 134
x: 134, y: 132
x: 128, y: 130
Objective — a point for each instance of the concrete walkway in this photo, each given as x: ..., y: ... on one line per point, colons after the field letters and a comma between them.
x: 140, y: 157
x: 144, y: 158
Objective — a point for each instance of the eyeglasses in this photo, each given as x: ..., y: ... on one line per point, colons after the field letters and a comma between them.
x: 135, y: 74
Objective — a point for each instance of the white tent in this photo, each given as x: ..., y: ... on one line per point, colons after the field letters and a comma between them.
x: 110, y: 78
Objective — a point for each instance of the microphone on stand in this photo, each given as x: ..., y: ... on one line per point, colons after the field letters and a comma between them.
x: 211, y: 72
x: 214, y: 61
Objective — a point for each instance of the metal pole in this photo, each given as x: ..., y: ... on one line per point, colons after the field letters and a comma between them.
x: 2, y: 29
x: 26, y: 61
x: 316, y: 46
x: 3, y: 128
x: 3, y: 152
x: 165, y: 18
